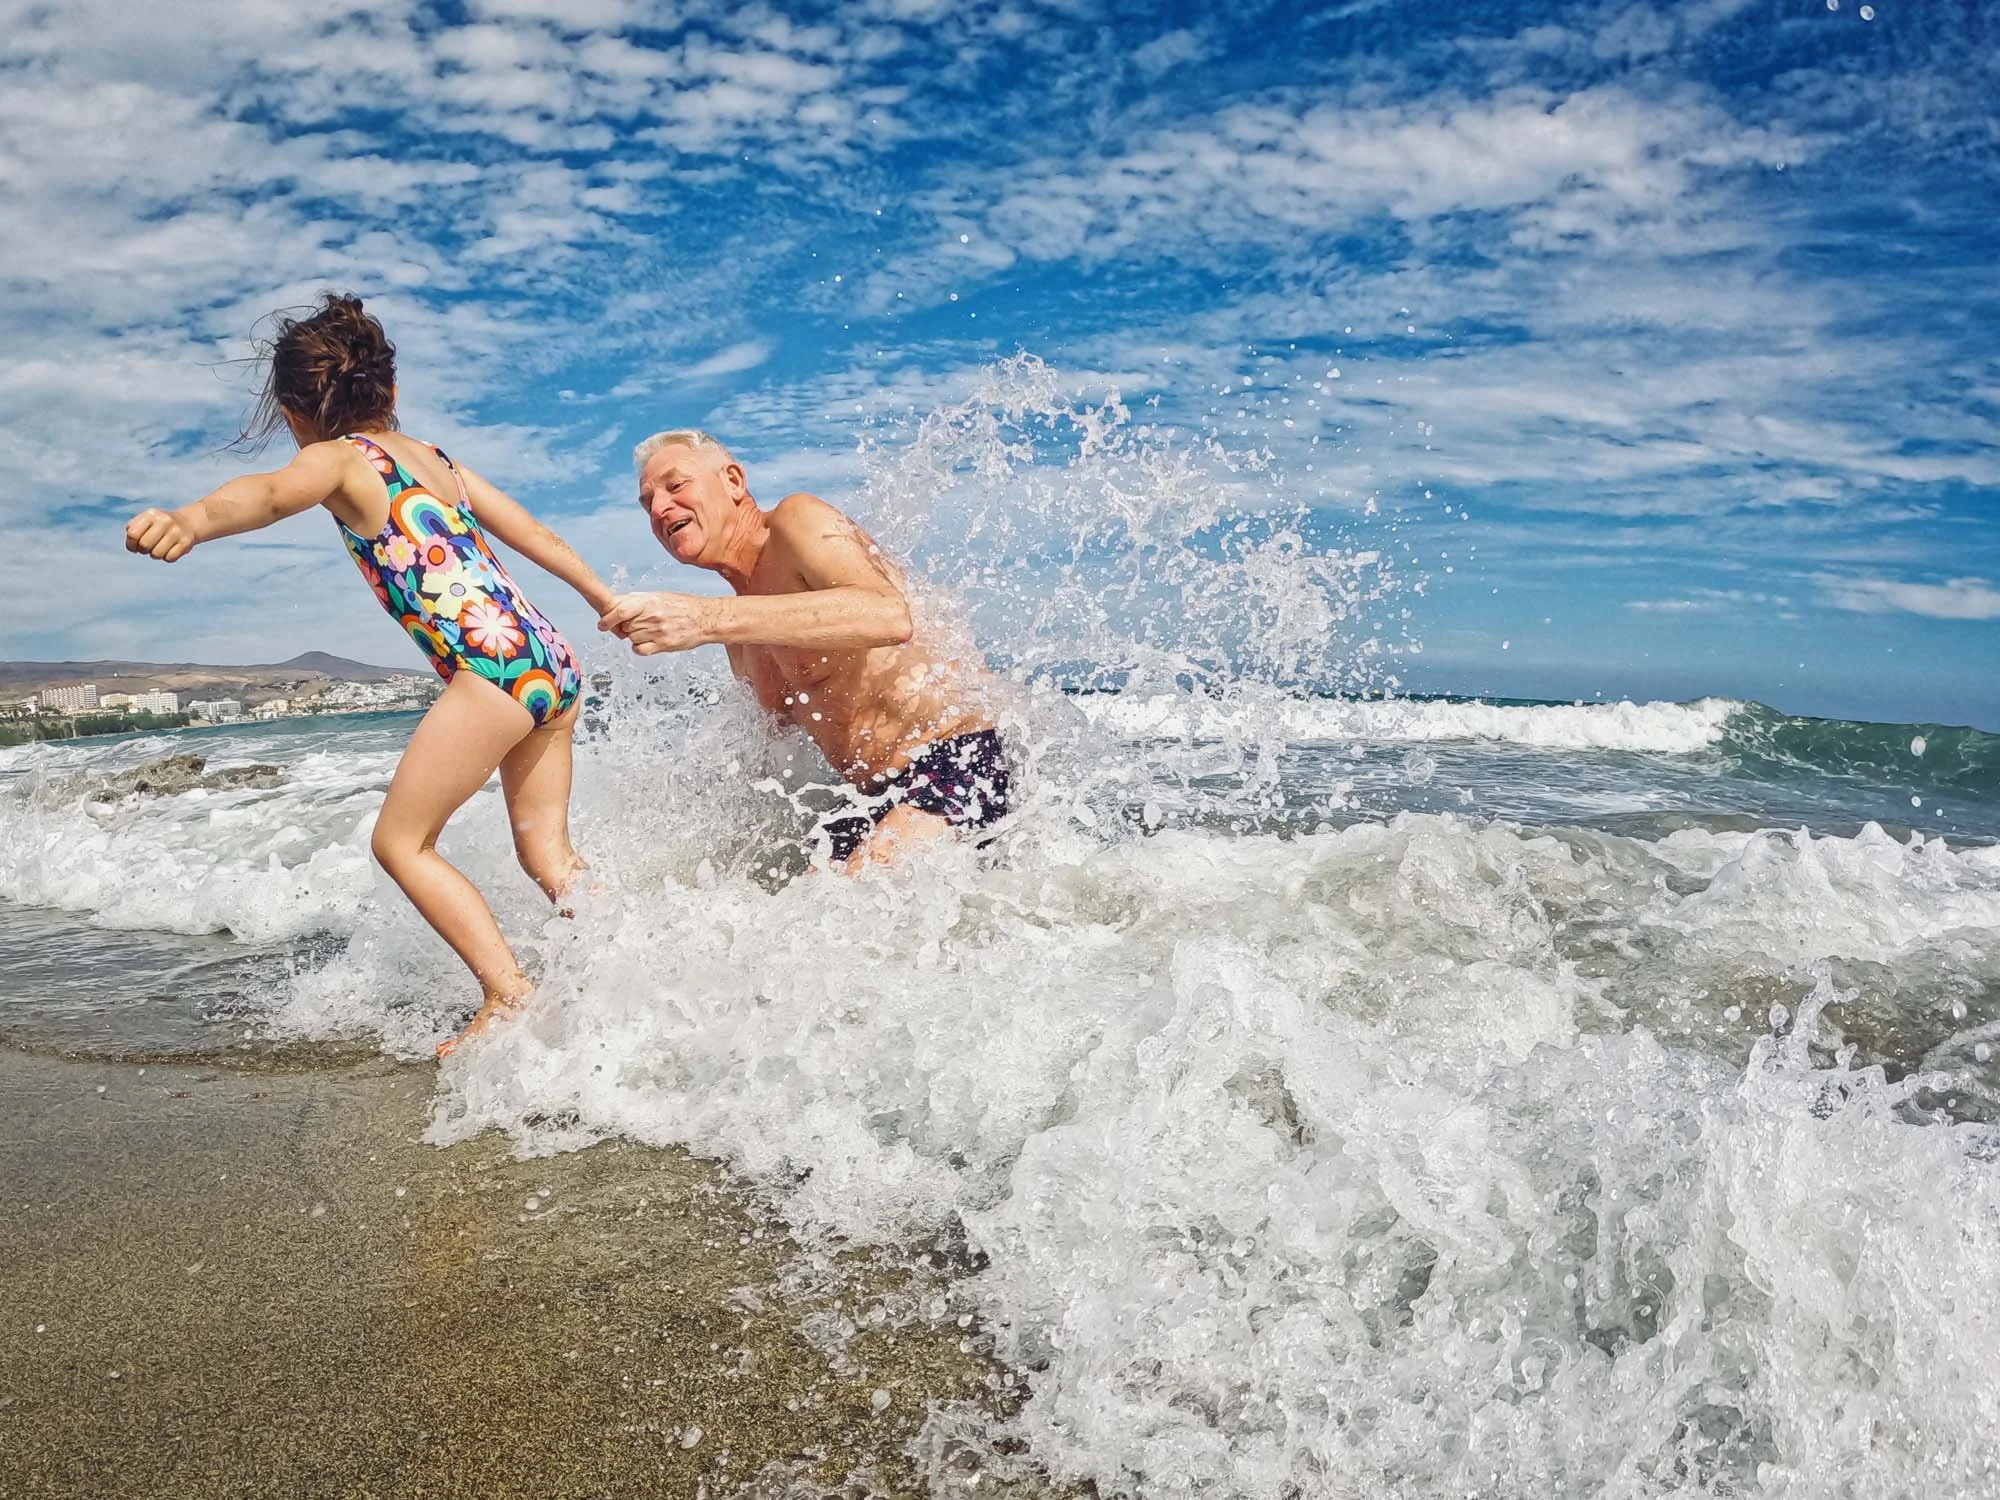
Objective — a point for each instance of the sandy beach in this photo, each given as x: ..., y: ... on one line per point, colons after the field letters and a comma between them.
x: 251, y: 1277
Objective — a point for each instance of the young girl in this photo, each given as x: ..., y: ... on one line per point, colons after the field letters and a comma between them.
x: 416, y: 524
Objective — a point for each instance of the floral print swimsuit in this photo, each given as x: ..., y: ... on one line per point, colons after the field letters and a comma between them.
x: 433, y: 571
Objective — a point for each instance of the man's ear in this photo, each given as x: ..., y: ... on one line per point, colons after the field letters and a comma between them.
x: 739, y: 482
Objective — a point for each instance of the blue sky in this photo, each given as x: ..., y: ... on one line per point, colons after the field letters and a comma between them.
x: 1687, y: 310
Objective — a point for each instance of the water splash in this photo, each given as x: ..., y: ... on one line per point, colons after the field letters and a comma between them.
x: 1086, y: 547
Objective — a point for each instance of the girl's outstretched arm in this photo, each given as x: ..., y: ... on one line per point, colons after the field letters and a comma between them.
x: 248, y: 503
x: 509, y: 520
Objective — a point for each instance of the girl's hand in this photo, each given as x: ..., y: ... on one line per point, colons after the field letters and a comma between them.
x: 661, y: 622
x: 159, y: 533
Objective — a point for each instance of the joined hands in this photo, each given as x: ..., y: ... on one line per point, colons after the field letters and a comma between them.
x: 660, y: 622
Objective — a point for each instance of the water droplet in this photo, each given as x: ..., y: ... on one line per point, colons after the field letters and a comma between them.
x: 1982, y: 1052
x: 1867, y: 12
x: 1919, y: 745
x: 1916, y: 802
x: 690, y: 1436
x: 879, y: 1401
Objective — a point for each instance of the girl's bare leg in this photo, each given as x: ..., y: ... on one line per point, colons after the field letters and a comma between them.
x: 536, y: 776
x: 464, y: 737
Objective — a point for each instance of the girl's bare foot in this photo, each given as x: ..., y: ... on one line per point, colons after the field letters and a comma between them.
x: 496, y: 1008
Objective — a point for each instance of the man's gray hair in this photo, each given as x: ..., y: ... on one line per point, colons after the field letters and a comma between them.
x: 686, y: 437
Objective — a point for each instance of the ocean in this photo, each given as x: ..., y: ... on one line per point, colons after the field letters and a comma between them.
x: 1318, y: 1094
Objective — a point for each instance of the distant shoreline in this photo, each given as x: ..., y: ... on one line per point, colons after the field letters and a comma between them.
x: 43, y: 727
x: 90, y: 699
x: 23, y: 731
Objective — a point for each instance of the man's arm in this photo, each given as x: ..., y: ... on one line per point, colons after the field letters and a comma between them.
x: 249, y: 502
x: 512, y: 522
x: 850, y: 598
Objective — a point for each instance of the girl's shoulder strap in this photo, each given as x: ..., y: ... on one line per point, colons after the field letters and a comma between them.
x: 382, y: 461
x: 464, y: 499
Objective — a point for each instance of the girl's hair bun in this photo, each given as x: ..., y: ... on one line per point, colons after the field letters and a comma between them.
x: 334, y: 369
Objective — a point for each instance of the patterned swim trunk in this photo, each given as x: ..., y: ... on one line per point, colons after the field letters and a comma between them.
x: 965, y: 780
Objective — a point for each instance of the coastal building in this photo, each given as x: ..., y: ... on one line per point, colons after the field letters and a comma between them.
x: 399, y: 692
x: 71, y: 700
x: 275, y: 708
x: 156, y: 703
x: 215, y: 709
x: 115, y: 700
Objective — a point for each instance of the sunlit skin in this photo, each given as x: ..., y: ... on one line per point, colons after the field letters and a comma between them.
x: 473, y: 729
x: 819, y: 626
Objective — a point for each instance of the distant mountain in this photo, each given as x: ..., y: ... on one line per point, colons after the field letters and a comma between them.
x: 306, y: 674
x: 340, y: 669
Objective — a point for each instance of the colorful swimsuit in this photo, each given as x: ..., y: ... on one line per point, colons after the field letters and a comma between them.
x: 434, y: 572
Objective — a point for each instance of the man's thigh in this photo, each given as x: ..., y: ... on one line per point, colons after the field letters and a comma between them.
x: 901, y: 830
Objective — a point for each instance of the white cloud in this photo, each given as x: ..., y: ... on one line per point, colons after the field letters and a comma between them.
x: 1954, y: 599
x: 170, y: 178
x: 1169, y: 50
x: 1575, y: 168
x: 1710, y: 601
x: 731, y: 361
x: 570, y: 15
x: 676, y: 377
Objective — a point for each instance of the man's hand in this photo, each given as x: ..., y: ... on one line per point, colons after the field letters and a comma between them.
x: 158, y: 533
x: 661, y: 622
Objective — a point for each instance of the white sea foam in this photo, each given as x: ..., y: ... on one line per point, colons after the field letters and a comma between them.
x: 1308, y: 1163
x: 1660, y: 728
x: 258, y: 863
x: 1413, y: 1158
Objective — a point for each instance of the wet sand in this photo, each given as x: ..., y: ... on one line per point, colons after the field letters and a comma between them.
x: 253, y: 1278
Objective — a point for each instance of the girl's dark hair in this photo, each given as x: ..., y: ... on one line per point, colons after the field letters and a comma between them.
x: 335, y: 369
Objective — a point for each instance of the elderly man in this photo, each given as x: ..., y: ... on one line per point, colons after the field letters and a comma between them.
x: 820, y: 629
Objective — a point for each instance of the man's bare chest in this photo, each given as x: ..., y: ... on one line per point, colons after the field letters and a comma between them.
x: 785, y: 678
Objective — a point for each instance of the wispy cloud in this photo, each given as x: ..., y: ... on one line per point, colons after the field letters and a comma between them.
x: 1954, y: 599
x: 734, y: 360
x: 1170, y: 49
x: 1710, y: 601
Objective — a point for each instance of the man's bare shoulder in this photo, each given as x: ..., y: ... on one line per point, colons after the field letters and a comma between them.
x: 827, y: 544
x: 803, y: 511
x: 807, y: 524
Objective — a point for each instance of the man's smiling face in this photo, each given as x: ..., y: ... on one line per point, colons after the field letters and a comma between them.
x: 688, y: 494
